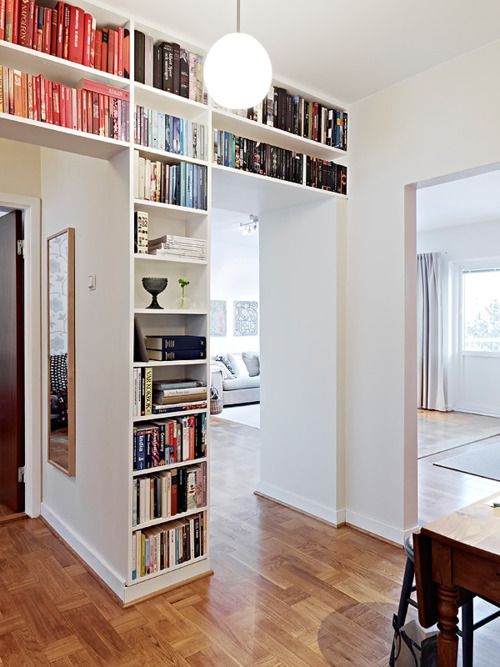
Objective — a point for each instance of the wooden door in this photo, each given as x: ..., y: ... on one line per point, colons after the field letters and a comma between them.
x: 11, y: 361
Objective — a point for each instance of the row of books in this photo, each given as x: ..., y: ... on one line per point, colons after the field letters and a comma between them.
x: 179, y: 184
x: 169, y: 493
x: 178, y: 247
x: 326, y: 175
x: 169, y: 133
x: 170, y: 441
x: 178, y: 348
x: 169, y: 67
x: 68, y: 32
x: 93, y: 107
x: 237, y: 152
x: 145, y: 391
x: 163, y: 547
x: 305, y: 118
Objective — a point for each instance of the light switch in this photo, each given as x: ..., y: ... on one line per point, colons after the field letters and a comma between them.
x: 91, y: 283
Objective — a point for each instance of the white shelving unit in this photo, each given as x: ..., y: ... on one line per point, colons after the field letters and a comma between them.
x: 226, y: 187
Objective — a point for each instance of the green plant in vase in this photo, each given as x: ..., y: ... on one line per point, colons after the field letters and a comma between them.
x: 183, y: 301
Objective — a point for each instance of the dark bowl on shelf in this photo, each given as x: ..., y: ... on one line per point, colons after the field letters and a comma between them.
x: 154, y: 286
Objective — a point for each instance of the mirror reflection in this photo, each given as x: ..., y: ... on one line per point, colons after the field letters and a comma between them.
x: 61, y: 449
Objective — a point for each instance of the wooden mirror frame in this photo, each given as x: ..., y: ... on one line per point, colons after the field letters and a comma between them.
x: 70, y: 469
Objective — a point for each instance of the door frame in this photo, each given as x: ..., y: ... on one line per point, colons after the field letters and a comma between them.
x: 31, y: 208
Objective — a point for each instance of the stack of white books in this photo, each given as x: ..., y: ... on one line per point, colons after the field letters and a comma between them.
x: 178, y: 246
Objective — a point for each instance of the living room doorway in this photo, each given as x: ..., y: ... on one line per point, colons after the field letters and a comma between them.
x: 234, y: 334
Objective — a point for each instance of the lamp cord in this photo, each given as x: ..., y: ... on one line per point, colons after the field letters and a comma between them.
x: 237, y: 15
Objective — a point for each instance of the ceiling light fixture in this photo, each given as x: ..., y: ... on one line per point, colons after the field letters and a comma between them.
x: 237, y: 69
x: 250, y: 227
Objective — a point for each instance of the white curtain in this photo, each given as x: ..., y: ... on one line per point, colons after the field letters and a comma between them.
x: 431, y: 367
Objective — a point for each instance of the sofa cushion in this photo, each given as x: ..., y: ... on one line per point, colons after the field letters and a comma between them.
x: 241, y: 382
x: 226, y: 373
x: 252, y: 362
x: 239, y: 368
x: 225, y: 362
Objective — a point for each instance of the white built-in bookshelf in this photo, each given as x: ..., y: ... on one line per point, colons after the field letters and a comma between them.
x: 224, y: 185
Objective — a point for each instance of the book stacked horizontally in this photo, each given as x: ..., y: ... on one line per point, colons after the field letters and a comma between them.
x: 179, y: 393
x: 178, y: 246
x: 176, y: 348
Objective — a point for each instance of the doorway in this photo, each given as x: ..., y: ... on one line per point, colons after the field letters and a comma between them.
x: 234, y: 339
x: 22, y: 491
x: 458, y: 340
x: 12, y: 363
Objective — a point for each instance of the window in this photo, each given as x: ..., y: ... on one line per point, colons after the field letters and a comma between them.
x: 481, y: 310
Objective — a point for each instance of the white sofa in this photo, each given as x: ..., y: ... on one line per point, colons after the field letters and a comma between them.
x: 237, y: 379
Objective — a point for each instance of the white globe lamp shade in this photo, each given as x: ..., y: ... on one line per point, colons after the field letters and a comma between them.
x: 237, y: 71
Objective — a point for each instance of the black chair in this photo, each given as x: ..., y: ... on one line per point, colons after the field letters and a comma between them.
x: 467, y: 611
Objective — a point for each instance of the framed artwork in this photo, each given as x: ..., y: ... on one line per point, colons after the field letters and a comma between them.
x: 246, y: 318
x: 218, y: 318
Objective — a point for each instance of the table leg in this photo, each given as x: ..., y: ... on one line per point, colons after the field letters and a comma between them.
x: 448, y: 625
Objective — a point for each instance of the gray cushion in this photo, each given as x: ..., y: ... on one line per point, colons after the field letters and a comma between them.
x: 241, y: 382
x: 252, y: 362
x: 224, y: 360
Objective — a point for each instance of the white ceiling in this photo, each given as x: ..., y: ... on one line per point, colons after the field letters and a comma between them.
x: 339, y: 49
x: 460, y: 202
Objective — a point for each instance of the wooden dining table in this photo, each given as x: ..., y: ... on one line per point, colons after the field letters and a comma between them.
x: 456, y: 558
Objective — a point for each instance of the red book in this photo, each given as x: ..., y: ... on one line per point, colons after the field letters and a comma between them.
x: 115, y: 53
x: 62, y: 105
x: 2, y: 19
x: 47, y: 30
x: 30, y: 96
x: 9, y: 19
x: 92, y: 43
x: 98, y: 49
x: 95, y: 113
x: 87, y: 38
x: 126, y: 54
x: 24, y: 15
x: 53, y: 33
x: 69, y: 107
x: 85, y: 127
x: 32, y: 25
x: 42, y: 91
x: 101, y: 115
x: 119, y: 69
x: 66, y: 24
x: 104, y: 50
x: 48, y: 101
x: 36, y: 98
x: 56, y: 108
x: 76, y: 28
x: 88, y: 95
x: 60, y: 30
x: 106, y: 115
x: 79, y: 110
x: 36, y: 36
x: 104, y: 89
x: 111, y: 51
x: 15, y: 23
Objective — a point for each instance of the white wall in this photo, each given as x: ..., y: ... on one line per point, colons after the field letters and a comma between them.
x: 301, y: 441
x: 90, y: 510
x: 234, y: 277
x: 473, y: 379
x: 412, y: 131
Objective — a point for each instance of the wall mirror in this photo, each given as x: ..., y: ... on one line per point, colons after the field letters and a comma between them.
x: 61, y: 352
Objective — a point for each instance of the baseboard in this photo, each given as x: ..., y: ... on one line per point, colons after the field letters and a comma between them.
x: 483, y: 410
x: 296, y: 502
x: 378, y: 528
x: 98, y: 564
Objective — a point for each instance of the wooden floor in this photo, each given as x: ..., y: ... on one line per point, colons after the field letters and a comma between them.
x: 288, y: 591
x: 442, y: 431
